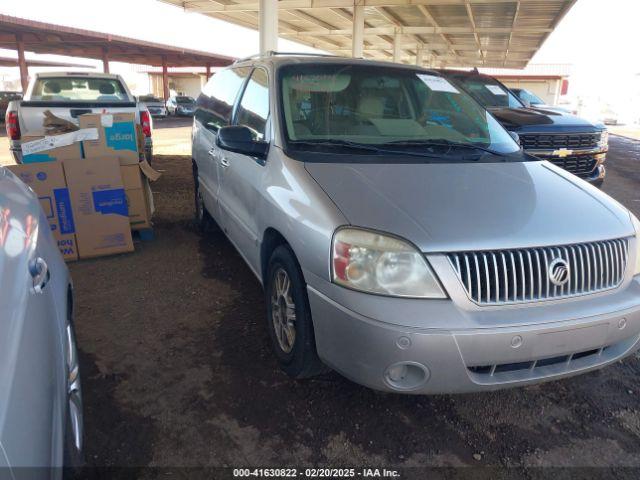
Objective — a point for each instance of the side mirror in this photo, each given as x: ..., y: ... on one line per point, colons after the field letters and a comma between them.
x: 240, y: 140
x: 515, y: 136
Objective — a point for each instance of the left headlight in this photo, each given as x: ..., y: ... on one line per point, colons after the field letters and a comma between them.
x: 375, y: 263
x: 636, y: 226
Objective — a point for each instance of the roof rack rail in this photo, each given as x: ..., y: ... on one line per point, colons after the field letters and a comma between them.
x: 273, y: 53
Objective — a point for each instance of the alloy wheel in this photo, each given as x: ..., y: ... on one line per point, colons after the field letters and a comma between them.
x: 283, y: 311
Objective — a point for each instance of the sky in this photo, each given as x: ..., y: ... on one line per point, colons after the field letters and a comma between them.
x: 599, y: 38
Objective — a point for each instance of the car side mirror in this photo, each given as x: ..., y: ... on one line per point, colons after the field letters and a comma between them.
x: 239, y: 139
x: 515, y: 136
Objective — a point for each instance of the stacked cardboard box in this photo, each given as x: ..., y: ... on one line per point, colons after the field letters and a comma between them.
x: 47, y: 180
x: 91, y: 184
x: 99, y: 206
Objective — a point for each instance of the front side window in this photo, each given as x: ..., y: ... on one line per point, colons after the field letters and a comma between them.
x: 78, y: 89
x: 373, y: 105
x: 488, y: 92
x: 253, y: 109
x: 215, y: 104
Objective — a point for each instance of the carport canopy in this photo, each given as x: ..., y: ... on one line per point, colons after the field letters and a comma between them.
x: 461, y: 33
x: 45, y: 38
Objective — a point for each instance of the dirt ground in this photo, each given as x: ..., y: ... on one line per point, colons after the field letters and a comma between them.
x: 177, y: 372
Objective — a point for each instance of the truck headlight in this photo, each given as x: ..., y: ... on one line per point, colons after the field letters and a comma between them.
x: 636, y: 226
x: 604, y: 139
x: 375, y: 263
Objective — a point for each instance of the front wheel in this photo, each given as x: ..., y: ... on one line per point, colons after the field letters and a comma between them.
x: 289, y: 316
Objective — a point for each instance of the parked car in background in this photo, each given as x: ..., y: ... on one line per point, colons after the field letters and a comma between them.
x: 68, y: 95
x: 154, y: 104
x: 181, y: 105
x: 565, y: 140
x: 530, y: 99
x: 5, y: 98
x: 40, y: 399
x: 402, y: 236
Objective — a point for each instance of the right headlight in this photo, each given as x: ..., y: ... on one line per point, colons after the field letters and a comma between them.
x: 604, y: 139
x: 636, y: 226
x: 376, y: 263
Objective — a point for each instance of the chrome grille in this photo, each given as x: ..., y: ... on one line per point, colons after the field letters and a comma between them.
x: 516, y: 276
x: 580, y: 165
x: 543, y: 141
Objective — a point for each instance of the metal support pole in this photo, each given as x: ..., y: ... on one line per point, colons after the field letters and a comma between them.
x: 165, y: 79
x: 358, y: 30
x: 22, y: 63
x: 105, y: 60
x: 397, y: 43
x: 419, y: 55
x: 268, y: 26
x: 208, y: 72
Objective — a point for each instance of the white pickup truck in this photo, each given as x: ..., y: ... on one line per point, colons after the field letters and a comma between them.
x: 68, y: 95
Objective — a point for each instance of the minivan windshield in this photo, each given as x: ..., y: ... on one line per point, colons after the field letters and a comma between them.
x: 370, y: 106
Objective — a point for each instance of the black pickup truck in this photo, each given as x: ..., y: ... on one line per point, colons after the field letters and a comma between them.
x: 567, y: 141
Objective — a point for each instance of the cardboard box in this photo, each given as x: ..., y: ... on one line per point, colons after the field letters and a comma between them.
x: 99, y: 206
x: 38, y: 148
x: 117, y: 137
x: 137, y: 190
x: 47, y: 180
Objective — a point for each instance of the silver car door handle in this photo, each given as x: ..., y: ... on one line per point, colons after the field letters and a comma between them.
x: 40, y: 273
x: 224, y: 162
x: 213, y: 153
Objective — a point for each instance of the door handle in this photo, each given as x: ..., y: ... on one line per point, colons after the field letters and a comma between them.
x: 224, y: 162
x: 213, y: 153
x: 40, y: 274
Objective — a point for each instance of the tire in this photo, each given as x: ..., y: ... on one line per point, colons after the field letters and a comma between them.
x: 296, y: 353
x: 73, y: 457
x: 203, y: 219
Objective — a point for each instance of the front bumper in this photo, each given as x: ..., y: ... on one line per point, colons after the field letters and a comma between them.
x: 395, y: 351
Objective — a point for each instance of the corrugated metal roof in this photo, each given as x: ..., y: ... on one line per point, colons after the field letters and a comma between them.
x: 40, y: 37
x: 496, y: 33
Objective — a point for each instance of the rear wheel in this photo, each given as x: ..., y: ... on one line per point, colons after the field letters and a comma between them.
x: 289, y: 316
x: 203, y: 219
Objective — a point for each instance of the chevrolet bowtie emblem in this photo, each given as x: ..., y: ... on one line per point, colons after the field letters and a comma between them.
x: 563, y: 152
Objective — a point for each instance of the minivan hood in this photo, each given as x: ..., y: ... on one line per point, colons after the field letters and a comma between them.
x: 472, y: 206
x: 541, y: 120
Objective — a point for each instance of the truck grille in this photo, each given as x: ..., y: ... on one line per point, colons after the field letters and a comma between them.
x: 517, y: 276
x: 580, y: 165
x: 540, y: 141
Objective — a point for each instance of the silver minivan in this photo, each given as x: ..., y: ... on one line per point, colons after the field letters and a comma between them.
x: 41, y: 421
x: 402, y: 236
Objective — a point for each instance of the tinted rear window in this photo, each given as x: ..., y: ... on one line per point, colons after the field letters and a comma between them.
x: 150, y: 99
x: 78, y: 89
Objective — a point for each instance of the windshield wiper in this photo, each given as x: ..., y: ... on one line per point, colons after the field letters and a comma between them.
x: 445, y: 143
x: 361, y: 146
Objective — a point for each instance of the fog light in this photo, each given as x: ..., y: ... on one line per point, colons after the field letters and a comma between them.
x: 406, y: 375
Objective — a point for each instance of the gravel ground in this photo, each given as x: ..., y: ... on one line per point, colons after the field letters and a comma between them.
x: 178, y: 372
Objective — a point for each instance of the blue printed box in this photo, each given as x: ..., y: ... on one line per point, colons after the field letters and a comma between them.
x: 47, y: 180
x: 117, y: 137
x: 100, y: 207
